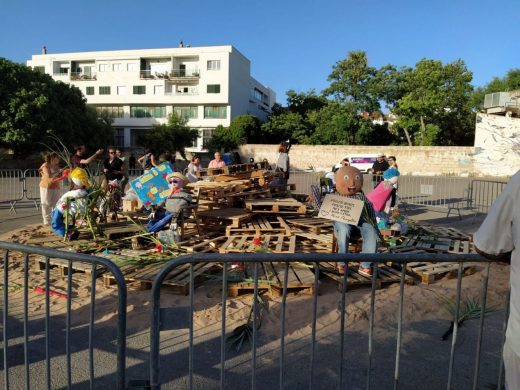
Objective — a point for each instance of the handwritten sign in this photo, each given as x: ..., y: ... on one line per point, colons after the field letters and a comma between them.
x: 341, y: 208
x: 152, y: 188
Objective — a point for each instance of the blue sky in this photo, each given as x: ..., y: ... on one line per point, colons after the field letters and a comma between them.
x: 291, y: 44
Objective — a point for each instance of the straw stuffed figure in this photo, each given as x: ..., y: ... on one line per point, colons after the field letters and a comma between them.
x: 349, y: 182
x: 171, y: 209
x: 71, y: 204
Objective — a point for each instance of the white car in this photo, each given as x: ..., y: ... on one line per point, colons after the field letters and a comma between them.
x: 363, y: 162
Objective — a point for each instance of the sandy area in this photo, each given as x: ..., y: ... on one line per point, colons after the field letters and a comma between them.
x: 422, y: 306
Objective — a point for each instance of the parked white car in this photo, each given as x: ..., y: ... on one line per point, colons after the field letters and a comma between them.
x: 363, y: 162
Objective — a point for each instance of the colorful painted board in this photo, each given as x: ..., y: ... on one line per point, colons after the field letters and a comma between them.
x: 152, y: 187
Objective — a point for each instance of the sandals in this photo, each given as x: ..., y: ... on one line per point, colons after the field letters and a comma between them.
x: 365, y: 271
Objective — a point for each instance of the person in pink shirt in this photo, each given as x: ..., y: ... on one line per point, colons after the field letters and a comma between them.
x: 217, y: 162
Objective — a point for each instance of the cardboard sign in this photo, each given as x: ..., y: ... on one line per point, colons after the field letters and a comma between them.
x: 341, y: 208
x: 152, y: 188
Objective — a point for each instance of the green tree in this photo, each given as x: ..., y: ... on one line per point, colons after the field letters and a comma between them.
x: 510, y: 82
x: 242, y: 129
x: 435, y: 108
x: 171, y: 137
x: 352, y: 80
x: 33, y: 106
x: 287, y: 125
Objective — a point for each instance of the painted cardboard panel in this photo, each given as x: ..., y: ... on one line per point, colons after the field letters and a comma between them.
x: 151, y: 187
x: 341, y: 208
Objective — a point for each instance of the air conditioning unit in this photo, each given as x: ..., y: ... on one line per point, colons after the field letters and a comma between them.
x: 498, y: 99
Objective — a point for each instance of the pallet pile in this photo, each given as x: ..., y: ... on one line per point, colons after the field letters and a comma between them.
x: 239, y: 213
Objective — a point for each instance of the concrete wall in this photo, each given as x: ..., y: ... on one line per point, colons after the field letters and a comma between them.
x: 417, y: 160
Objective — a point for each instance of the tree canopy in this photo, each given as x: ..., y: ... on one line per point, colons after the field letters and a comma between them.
x: 33, y: 106
x: 171, y: 137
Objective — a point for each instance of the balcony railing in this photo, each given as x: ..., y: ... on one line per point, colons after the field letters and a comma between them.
x: 173, y: 74
x: 82, y: 76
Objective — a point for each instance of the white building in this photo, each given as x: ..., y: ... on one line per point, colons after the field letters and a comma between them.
x: 207, y: 85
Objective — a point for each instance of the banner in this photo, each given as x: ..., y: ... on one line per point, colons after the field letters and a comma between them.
x: 341, y: 208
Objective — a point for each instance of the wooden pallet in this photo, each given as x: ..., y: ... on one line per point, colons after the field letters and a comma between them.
x: 260, y: 225
x: 282, y: 189
x: 76, y: 267
x: 317, y: 240
x: 434, y: 244
x: 428, y: 273
x: 385, y: 275
x: 440, y: 231
x: 271, y: 278
x: 120, y: 229
x: 178, y: 280
x: 315, y: 225
x: 278, y: 206
x: 269, y: 243
x: 233, y: 215
x: 202, y: 244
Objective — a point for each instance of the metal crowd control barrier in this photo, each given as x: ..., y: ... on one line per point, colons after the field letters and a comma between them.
x: 482, y: 194
x: 11, y: 187
x: 169, y: 318
x: 14, y: 337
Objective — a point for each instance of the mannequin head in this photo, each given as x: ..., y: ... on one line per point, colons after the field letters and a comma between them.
x: 349, y: 180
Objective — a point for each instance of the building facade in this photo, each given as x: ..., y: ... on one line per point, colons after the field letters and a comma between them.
x: 209, y: 86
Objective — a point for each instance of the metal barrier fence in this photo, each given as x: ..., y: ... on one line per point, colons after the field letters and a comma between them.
x: 168, y: 318
x: 482, y: 194
x: 22, y: 341
x: 11, y: 186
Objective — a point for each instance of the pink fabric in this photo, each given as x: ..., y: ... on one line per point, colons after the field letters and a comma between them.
x: 216, y: 164
x: 379, y: 195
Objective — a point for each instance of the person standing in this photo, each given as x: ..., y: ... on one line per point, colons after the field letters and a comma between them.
x: 379, y: 166
x: 193, y: 168
x: 49, y: 184
x: 217, y: 162
x: 147, y: 160
x: 120, y: 155
x: 79, y: 161
x: 282, y: 163
x: 498, y: 238
x: 112, y: 167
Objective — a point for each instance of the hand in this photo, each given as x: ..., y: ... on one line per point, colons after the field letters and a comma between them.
x: 99, y: 151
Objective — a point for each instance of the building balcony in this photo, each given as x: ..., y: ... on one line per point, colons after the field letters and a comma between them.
x: 77, y: 76
x: 177, y: 75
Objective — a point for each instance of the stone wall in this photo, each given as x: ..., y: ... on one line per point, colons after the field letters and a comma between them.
x: 413, y: 160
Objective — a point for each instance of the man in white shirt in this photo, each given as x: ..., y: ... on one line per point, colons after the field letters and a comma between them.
x: 498, y: 238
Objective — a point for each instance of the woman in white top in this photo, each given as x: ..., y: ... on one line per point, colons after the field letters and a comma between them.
x: 193, y: 168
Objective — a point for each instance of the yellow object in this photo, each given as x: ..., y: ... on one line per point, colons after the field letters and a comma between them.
x: 79, y: 177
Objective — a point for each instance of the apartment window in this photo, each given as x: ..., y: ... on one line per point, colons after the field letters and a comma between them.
x: 214, y: 65
x: 207, y: 134
x: 139, y: 89
x: 131, y: 67
x: 121, y: 90
x: 213, y: 88
x: 119, y: 137
x: 158, y: 89
x: 117, y: 67
x: 64, y: 70
x: 147, y: 111
x: 40, y: 69
x: 90, y: 90
x: 104, y: 90
x: 215, y: 112
x: 103, y: 67
x: 187, y: 112
x: 111, y: 111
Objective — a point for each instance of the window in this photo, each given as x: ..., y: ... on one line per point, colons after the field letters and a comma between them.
x: 64, y: 70
x: 214, y: 65
x: 119, y: 137
x: 131, y: 67
x: 147, y: 111
x: 40, y: 69
x: 121, y: 90
x: 158, y: 89
x: 104, y: 90
x: 139, y: 90
x: 103, y: 67
x: 215, y: 112
x: 117, y: 67
x: 213, y: 88
x: 207, y: 134
x: 187, y: 112
x: 90, y: 90
x: 111, y: 111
